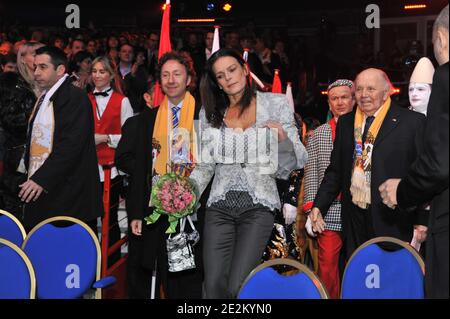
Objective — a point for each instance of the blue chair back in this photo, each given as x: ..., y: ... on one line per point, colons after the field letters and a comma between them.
x: 11, y: 229
x: 264, y: 282
x: 66, y: 259
x: 17, y: 279
x: 374, y: 273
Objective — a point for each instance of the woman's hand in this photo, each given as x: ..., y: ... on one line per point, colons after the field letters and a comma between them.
x: 282, y: 136
x: 101, y: 138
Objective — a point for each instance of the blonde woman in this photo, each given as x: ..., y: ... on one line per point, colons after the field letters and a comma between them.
x: 18, y: 94
x: 25, y: 63
x: 110, y: 109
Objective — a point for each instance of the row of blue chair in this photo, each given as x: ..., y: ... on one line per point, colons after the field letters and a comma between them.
x: 371, y: 273
x: 54, y: 262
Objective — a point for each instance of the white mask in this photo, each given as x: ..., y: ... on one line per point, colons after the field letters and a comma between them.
x: 419, y: 95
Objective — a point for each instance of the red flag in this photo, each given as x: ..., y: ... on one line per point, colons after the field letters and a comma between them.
x: 276, y: 86
x: 164, y: 47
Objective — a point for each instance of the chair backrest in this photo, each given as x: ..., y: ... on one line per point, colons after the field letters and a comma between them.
x: 11, y: 229
x: 66, y: 259
x: 375, y: 273
x: 17, y: 278
x: 265, y: 282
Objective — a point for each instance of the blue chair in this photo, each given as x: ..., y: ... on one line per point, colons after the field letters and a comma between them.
x: 17, y: 278
x: 11, y: 228
x: 265, y: 282
x: 375, y: 273
x: 66, y: 259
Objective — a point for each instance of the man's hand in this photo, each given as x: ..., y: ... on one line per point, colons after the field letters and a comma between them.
x: 318, y: 224
x: 308, y: 227
x: 101, y: 138
x: 420, y: 233
x: 30, y: 191
x: 136, y: 227
x: 388, y: 192
x: 289, y: 213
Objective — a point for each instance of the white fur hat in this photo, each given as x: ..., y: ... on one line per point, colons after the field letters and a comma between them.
x: 423, y: 72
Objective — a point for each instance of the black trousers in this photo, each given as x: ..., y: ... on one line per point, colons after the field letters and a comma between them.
x: 234, y: 242
x: 180, y: 285
x: 437, y: 261
x: 359, y: 231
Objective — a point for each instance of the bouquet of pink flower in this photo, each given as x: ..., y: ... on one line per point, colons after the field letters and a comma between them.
x: 175, y: 196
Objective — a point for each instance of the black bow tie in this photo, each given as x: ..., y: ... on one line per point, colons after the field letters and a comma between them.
x: 104, y: 93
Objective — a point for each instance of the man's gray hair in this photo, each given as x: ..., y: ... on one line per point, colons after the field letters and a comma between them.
x: 442, y: 20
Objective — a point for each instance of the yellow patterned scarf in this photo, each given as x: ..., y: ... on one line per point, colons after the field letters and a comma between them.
x: 41, y: 144
x: 362, y: 165
x: 162, y: 131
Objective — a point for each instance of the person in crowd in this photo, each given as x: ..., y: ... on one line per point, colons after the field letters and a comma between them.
x: 60, y: 158
x: 6, y: 47
x: 8, y: 63
x: 374, y: 142
x: 80, y: 69
x: 209, y: 39
x: 427, y: 179
x: 341, y: 99
x: 76, y: 46
x: 25, y: 64
x: 196, y: 53
x: 134, y: 81
x: 240, y: 209
x: 151, y: 161
x: 112, y: 49
x: 18, y: 93
x: 419, y: 88
x: 269, y: 59
x: 91, y: 47
x: 110, y: 110
x: 152, y: 46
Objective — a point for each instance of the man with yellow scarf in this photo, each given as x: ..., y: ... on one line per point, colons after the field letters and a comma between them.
x: 153, y: 155
x: 377, y: 141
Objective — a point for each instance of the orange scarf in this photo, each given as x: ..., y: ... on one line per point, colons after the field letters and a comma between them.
x: 362, y: 165
x: 163, y: 155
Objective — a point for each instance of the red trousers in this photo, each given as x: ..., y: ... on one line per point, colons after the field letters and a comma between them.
x: 330, y: 244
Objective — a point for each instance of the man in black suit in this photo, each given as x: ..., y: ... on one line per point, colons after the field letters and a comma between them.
x: 378, y: 140
x: 136, y: 154
x: 60, y: 156
x: 427, y: 179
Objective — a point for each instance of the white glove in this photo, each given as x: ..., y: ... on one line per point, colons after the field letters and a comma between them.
x: 308, y: 227
x: 289, y: 213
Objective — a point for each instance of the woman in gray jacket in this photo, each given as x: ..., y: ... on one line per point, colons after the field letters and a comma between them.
x: 247, y: 139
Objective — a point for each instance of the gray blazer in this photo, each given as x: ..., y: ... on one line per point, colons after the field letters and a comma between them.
x: 229, y: 155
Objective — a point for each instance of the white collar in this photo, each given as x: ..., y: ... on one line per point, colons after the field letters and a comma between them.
x: 179, y: 105
x: 54, y: 88
x: 106, y: 89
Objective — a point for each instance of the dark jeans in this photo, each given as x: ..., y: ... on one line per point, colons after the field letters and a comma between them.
x: 234, y: 241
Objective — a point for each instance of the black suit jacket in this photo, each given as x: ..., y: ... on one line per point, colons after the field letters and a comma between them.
x: 70, y: 174
x: 396, y: 147
x: 428, y: 180
x: 134, y: 155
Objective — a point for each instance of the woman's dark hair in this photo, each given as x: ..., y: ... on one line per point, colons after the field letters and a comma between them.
x: 216, y: 101
x: 78, y: 58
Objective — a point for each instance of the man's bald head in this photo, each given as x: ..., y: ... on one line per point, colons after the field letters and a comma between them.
x: 440, y: 37
x: 373, y: 88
